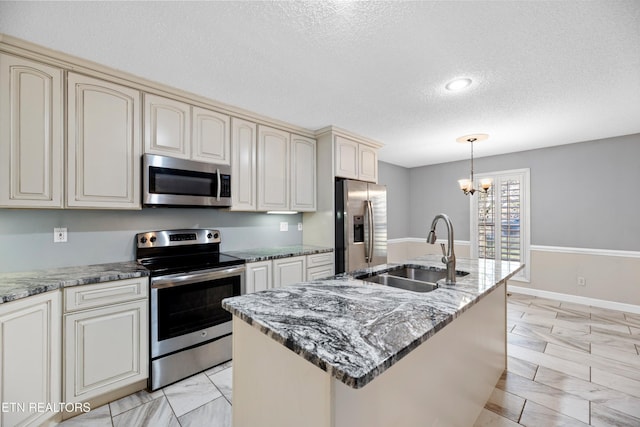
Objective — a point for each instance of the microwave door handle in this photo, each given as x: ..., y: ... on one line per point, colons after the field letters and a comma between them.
x: 219, y: 185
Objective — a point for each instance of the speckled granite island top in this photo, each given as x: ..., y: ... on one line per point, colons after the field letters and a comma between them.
x: 355, y: 330
x: 19, y: 285
x: 265, y: 254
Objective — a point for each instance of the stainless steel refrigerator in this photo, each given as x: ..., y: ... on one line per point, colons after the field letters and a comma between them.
x: 361, y: 225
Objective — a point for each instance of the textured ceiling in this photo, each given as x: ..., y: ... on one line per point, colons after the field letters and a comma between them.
x: 544, y: 73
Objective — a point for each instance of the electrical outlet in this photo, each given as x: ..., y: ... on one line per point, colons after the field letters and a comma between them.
x: 284, y: 226
x: 59, y: 235
x: 582, y: 281
x: 299, y: 226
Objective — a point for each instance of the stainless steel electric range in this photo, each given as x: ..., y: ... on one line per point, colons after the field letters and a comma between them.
x: 189, y: 329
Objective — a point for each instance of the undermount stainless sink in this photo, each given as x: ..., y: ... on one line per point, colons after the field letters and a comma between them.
x: 423, y: 275
x: 412, y: 279
x: 402, y: 283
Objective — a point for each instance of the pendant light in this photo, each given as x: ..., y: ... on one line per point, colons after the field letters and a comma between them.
x: 466, y: 185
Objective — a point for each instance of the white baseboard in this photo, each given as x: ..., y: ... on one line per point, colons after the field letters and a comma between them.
x: 612, y: 305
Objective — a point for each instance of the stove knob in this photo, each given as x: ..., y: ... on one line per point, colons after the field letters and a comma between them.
x: 209, y: 236
x: 216, y: 235
x: 143, y: 240
x: 152, y: 239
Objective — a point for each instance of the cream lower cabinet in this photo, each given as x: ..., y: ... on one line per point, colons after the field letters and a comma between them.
x: 103, y: 144
x: 31, y: 134
x: 320, y: 266
x: 258, y: 276
x: 288, y: 271
x: 30, y: 340
x: 105, y: 338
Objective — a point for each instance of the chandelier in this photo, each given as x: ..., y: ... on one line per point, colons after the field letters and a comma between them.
x: 466, y: 185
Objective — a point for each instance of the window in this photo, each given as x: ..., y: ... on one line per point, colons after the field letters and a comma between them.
x: 500, y: 219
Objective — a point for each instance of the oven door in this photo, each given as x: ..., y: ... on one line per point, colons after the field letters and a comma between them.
x: 186, y: 308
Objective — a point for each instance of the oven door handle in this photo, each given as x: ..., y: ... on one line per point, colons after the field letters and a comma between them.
x: 182, y: 279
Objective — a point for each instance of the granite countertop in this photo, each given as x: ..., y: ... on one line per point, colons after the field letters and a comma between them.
x: 355, y: 330
x: 19, y: 285
x: 265, y: 254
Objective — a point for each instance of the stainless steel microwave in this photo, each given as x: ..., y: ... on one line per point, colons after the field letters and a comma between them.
x: 168, y: 181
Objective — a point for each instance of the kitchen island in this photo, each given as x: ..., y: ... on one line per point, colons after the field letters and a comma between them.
x: 345, y: 352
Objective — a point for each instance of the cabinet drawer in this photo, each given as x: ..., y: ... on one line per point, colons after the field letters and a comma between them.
x: 320, y: 272
x: 89, y: 296
x: 319, y: 259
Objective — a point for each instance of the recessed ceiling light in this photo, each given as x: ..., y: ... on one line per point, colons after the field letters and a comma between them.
x: 457, y: 84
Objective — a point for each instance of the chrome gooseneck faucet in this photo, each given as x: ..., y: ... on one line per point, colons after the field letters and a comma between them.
x: 448, y: 256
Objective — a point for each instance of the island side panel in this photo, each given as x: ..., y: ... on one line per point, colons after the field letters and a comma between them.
x: 273, y: 386
x: 444, y: 382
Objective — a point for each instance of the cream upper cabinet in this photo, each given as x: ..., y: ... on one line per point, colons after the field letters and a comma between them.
x: 211, y: 136
x: 167, y: 127
x: 105, y: 338
x: 30, y: 339
x: 367, y: 163
x: 346, y: 158
x: 31, y: 134
x: 354, y: 160
x: 177, y: 129
x: 273, y: 169
x: 103, y: 144
x: 243, y: 165
x: 303, y: 174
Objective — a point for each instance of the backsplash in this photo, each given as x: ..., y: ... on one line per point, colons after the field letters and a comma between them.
x: 100, y: 236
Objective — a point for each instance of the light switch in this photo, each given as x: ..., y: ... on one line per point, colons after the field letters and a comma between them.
x: 284, y: 226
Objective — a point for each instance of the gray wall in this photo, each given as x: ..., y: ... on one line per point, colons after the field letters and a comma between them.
x: 583, y: 195
x: 26, y: 235
x: 396, y: 178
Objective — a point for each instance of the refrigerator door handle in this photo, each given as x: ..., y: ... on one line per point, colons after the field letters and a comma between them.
x: 368, y: 216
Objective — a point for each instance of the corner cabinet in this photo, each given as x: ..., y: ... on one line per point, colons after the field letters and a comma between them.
x: 103, y: 145
x: 31, y: 134
x: 30, y: 340
x: 105, y: 338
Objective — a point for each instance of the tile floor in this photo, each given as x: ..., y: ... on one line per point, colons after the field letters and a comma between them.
x: 568, y: 365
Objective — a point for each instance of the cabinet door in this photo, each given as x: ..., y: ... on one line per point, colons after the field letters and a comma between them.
x: 289, y: 271
x: 303, y: 174
x: 30, y: 339
x: 258, y: 276
x: 243, y: 165
x: 346, y: 158
x: 368, y: 163
x: 211, y: 136
x: 167, y: 127
x: 273, y: 169
x: 30, y: 134
x: 105, y: 349
x: 103, y: 153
